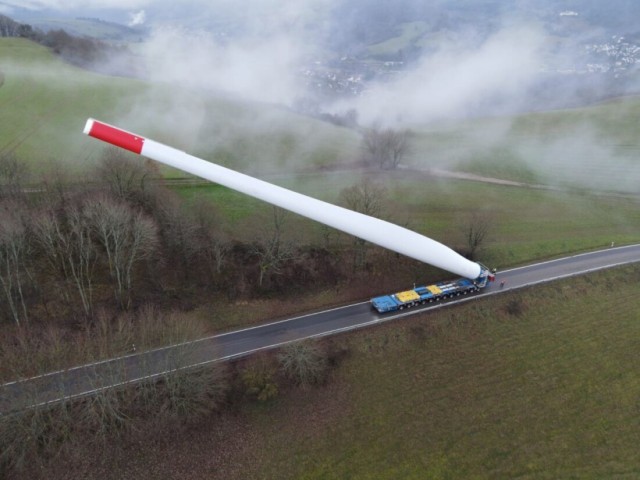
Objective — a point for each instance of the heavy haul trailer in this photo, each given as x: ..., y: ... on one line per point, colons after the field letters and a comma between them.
x: 432, y: 293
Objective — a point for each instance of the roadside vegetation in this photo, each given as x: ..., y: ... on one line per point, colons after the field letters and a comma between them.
x: 129, y: 239
x: 545, y: 390
x: 538, y: 383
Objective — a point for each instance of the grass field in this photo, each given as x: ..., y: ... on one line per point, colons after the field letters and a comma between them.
x: 550, y: 390
x: 475, y: 392
x: 407, y: 36
x: 527, y: 224
x: 591, y: 147
x: 44, y: 104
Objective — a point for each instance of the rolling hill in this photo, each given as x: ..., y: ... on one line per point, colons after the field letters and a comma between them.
x: 45, y: 102
x: 592, y: 147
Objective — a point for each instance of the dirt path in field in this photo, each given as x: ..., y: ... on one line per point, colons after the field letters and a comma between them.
x: 438, y: 172
x: 472, y: 177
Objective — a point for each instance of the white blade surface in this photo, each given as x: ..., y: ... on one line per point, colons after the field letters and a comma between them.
x: 374, y: 230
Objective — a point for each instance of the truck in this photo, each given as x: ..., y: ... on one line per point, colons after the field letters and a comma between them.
x: 422, y: 295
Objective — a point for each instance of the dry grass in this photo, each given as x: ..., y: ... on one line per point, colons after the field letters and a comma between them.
x: 469, y: 392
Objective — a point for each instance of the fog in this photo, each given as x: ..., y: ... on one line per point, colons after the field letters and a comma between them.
x: 263, y: 61
x: 457, y: 81
x: 252, y: 69
x: 474, y: 71
x: 490, y: 60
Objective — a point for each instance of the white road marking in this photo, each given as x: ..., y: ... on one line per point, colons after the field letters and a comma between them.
x: 376, y: 320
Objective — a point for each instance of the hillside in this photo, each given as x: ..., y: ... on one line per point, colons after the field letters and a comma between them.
x: 591, y: 147
x: 44, y: 104
x: 90, y: 27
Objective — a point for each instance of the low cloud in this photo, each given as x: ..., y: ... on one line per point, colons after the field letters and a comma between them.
x: 74, y: 4
x: 259, y: 70
x: 137, y: 18
x: 457, y: 80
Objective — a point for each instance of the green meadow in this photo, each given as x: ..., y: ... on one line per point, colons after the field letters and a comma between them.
x: 594, y: 147
x: 45, y: 102
x: 526, y: 223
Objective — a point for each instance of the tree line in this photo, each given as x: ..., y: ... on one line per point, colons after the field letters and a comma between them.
x: 69, y: 250
x: 121, y: 416
x: 82, y: 51
x: 93, y: 270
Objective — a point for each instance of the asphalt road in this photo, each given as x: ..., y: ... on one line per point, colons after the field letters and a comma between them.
x: 84, y: 380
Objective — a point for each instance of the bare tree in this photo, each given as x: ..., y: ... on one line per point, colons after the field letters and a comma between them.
x: 8, y: 27
x: 476, y: 231
x: 13, y: 175
x: 124, y: 176
x: 65, y: 239
x: 126, y: 236
x: 368, y: 198
x: 304, y: 362
x: 365, y: 197
x: 179, y: 233
x: 104, y: 412
x: 190, y: 393
x: 272, y: 250
x: 385, y: 148
x: 212, y: 245
x: 15, y: 249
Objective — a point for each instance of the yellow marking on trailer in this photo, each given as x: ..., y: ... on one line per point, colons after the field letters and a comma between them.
x: 433, y: 289
x: 408, y: 296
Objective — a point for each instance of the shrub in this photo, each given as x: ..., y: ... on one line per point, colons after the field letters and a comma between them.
x: 304, y: 362
x: 515, y: 307
x: 258, y: 379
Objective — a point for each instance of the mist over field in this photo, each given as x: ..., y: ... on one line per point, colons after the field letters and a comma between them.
x: 457, y: 81
x: 402, y: 65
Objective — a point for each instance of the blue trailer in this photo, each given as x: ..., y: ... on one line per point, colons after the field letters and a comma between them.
x: 432, y: 293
